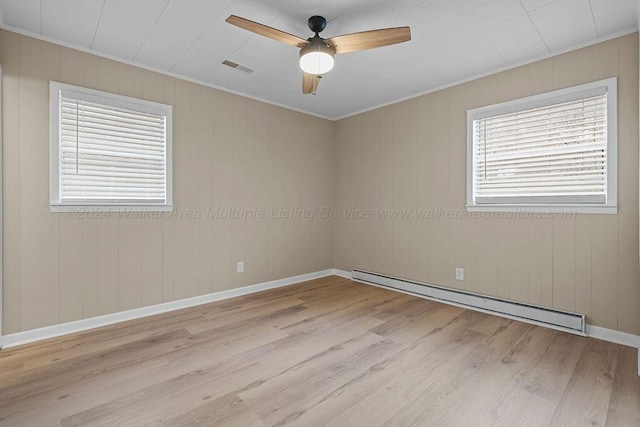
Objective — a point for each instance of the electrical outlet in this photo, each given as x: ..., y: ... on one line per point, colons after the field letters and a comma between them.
x: 240, y: 267
x: 459, y: 273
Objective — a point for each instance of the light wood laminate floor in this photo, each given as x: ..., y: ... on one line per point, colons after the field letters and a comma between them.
x: 329, y: 352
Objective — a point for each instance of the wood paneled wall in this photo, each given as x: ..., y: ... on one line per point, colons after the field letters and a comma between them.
x: 412, y: 156
x: 230, y: 152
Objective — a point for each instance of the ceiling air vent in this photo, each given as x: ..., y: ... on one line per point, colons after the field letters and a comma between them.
x: 237, y: 66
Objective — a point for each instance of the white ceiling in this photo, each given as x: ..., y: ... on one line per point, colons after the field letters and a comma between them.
x: 452, y: 40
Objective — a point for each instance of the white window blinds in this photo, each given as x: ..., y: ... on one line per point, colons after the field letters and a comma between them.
x: 111, y: 153
x: 550, y: 154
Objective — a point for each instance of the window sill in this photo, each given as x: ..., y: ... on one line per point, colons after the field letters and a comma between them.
x: 583, y: 209
x: 109, y: 208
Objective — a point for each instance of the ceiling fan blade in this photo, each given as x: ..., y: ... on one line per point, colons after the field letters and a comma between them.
x: 370, y: 39
x: 267, y: 31
x: 309, y: 83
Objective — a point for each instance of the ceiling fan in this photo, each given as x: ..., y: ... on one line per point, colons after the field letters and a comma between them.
x: 317, y: 54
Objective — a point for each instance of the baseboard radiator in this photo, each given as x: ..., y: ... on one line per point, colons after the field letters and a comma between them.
x: 557, y: 319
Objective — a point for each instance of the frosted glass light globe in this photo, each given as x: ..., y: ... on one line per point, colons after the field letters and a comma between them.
x: 317, y: 58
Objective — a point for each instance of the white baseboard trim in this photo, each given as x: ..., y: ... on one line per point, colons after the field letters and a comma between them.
x: 342, y: 273
x: 53, y: 331
x: 611, y: 335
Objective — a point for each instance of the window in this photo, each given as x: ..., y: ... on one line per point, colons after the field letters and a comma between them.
x: 108, y: 152
x: 554, y: 152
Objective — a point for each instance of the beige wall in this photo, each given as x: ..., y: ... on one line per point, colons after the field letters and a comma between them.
x: 412, y: 155
x: 229, y: 151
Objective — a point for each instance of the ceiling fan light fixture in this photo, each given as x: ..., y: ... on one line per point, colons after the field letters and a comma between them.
x: 316, y: 58
x: 317, y: 54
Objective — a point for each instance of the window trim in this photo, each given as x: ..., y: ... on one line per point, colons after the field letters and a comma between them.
x: 92, y: 95
x: 549, y: 98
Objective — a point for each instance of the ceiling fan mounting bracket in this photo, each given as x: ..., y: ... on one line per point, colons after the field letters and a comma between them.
x: 317, y: 24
